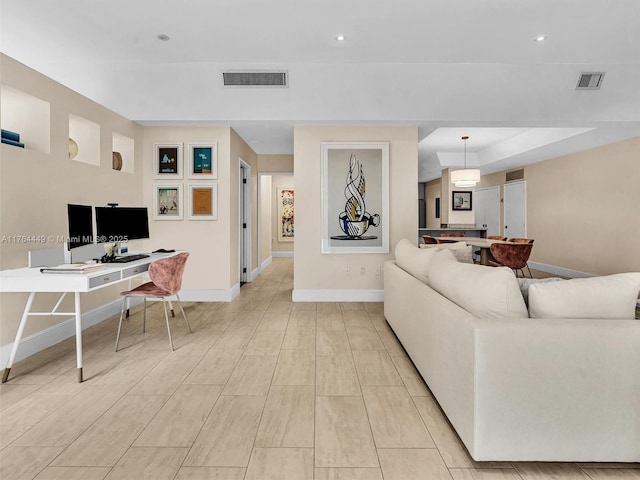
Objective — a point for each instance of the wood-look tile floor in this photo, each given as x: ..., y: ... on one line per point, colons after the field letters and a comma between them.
x: 262, y: 389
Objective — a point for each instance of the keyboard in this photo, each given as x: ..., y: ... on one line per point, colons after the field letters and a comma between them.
x: 129, y: 258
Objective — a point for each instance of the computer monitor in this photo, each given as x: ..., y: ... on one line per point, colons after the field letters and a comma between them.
x: 80, y: 225
x: 121, y: 224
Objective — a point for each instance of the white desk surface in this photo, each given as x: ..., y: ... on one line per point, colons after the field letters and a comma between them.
x: 32, y: 280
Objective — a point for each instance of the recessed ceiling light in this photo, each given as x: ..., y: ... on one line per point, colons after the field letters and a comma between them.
x: 540, y: 38
x: 341, y: 38
x: 163, y: 37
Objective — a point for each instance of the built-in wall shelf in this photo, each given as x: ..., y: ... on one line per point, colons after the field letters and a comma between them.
x: 123, y: 153
x: 27, y: 116
x: 84, y: 140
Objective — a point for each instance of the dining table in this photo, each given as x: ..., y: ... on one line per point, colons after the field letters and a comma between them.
x: 483, y: 243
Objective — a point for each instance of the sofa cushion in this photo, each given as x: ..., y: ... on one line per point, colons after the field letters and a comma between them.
x: 460, y: 250
x: 486, y: 292
x: 525, y: 283
x: 611, y: 296
x: 414, y: 260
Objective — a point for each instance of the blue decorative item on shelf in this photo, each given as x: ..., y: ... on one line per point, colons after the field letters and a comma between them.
x: 13, y: 136
x: 11, y: 142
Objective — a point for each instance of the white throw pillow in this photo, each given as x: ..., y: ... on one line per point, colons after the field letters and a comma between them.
x: 525, y: 283
x: 462, y: 251
x: 414, y: 260
x: 486, y: 292
x: 611, y: 296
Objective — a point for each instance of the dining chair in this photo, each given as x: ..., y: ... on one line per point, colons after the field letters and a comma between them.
x: 476, y: 253
x: 166, y: 281
x: 428, y: 239
x: 512, y: 255
x: 452, y: 235
x: 520, y: 240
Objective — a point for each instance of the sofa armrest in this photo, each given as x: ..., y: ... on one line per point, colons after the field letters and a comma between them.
x: 551, y: 382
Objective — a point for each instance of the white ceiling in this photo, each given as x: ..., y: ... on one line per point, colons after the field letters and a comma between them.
x: 451, y: 68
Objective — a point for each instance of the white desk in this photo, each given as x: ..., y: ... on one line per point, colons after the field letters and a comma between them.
x: 32, y: 281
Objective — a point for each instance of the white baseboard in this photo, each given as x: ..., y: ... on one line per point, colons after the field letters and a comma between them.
x: 563, y: 272
x: 338, y: 295
x: 225, y: 295
x: 254, y: 274
x: 266, y: 263
x: 57, y: 333
x: 281, y: 254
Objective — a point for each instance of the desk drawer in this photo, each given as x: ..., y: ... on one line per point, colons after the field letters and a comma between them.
x: 133, y: 271
x: 104, y: 279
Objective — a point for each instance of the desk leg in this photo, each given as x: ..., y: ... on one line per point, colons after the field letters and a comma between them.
x: 16, y: 342
x: 78, y: 335
x: 484, y: 256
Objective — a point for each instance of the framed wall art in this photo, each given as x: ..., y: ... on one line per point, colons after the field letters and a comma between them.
x: 355, y: 197
x: 167, y: 202
x: 203, y: 161
x: 461, y: 200
x: 285, y: 201
x: 203, y: 202
x: 167, y: 160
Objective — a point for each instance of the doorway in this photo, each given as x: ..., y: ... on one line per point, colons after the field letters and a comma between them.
x: 515, y: 210
x: 245, y: 223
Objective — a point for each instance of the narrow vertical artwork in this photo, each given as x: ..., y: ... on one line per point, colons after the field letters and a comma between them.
x: 285, y: 214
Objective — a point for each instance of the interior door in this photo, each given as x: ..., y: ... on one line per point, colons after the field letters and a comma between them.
x: 487, y: 209
x: 515, y: 210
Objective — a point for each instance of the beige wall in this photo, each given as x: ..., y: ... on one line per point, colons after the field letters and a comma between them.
x: 36, y: 187
x: 265, y: 218
x: 208, y: 242
x: 582, y: 209
x: 279, y: 181
x: 275, y: 163
x: 314, y: 270
x: 432, y: 191
x: 240, y: 149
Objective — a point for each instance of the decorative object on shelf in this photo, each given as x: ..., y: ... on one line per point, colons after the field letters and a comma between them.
x: 203, y: 202
x: 167, y: 202
x: 361, y: 224
x: 73, y: 149
x: 461, y: 200
x: 203, y: 161
x: 467, y: 177
x: 167, y: 160
x: 11, y: 138
x: 285, y: 214
x: 117, y: 161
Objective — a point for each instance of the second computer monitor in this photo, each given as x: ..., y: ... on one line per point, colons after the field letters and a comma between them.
x: 121, y: 224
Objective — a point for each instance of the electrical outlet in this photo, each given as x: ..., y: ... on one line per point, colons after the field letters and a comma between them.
x: 363, y: 271
x: 377, y: 271
x: 347, y: 270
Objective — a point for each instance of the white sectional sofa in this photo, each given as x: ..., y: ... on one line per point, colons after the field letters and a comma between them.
x: 561, y: 387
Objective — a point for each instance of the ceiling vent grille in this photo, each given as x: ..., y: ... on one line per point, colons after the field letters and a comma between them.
x: 255, y: 78
x: 514, y: 175
x: 590, y: 81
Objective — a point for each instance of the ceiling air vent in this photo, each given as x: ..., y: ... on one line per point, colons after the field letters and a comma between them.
x: 255, y: 78
x: 514, y: 175
x: 590, y: 81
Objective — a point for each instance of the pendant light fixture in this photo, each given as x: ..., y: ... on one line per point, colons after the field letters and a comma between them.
x: 467, y: 177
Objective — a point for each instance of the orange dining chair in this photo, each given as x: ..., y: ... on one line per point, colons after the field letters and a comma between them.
x: 476, y: 253
x: 428, y: 239
x: 512, y: 255
x: 520, y: 240
x: 166, y: 281
x: 452, y: 235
